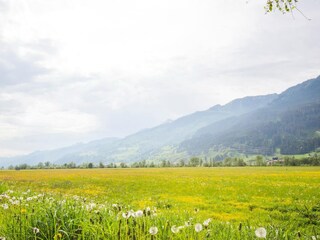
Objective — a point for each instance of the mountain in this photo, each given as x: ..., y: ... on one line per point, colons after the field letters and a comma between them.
x: 288, y: 122
x: 63, y: 155
x: 161, y: 142
x: 299, y: 95
x: 148, y: 142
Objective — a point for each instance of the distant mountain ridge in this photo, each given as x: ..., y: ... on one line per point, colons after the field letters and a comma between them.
x: 303, y: 93
x: 250, y: 125
x: 288, y: 123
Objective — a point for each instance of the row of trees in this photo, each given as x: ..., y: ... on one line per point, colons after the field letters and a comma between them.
x: 313, y: 160
x: 71, y: 165
x: 192, y: 162
x: 292, y: 161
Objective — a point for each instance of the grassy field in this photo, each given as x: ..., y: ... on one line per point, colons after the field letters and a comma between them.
x: 284, y: 200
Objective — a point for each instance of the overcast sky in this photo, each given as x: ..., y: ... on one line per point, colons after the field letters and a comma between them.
x: 78, y: 70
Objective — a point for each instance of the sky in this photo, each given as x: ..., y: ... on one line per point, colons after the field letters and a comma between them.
x: 78, y: 70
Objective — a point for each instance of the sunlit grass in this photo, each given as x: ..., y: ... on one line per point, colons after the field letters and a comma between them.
x: 283, y: 200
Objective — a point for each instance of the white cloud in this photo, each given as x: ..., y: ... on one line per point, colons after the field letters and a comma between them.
x: 78, y: 70
x: 37, y: 115
x: 108, y: 36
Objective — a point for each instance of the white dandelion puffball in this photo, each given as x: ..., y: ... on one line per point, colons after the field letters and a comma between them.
x: 153, y: 230
x: 198, y: 227
x: 2, y: 238
x: 175, y: 229
x: 261, y: 232
x: 131, y: 213
x: 206, y: 222
x: 126, y: 215
x: 5, y: 206
x: 35, y: 230
x: 138, y: 214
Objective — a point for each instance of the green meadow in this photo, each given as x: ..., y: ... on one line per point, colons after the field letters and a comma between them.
x: 228, y: 203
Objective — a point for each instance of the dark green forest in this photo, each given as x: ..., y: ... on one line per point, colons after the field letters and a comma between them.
x: 293, y: 131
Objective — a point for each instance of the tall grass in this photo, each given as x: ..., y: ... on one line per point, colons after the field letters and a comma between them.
x: 160, y: 203
x: 27, y: 215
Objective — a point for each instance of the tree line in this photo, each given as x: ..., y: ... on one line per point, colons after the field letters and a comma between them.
x: 312, y: 160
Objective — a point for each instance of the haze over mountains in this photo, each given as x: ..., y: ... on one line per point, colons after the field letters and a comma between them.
x: 288, y: 123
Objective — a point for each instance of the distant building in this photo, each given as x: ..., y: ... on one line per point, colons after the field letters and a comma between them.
x: 275, y: 161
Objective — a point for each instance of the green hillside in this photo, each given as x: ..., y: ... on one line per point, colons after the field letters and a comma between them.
x: 259, y: 125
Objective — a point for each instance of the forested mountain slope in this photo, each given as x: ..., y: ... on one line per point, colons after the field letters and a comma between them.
x: 291, y: 122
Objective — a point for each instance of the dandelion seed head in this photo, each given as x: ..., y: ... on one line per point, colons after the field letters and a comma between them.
x: 2, y: 196
x: 153, y: 230
x: 35, y: 230
x: 175, y: 229
x: 126, y: 215
x: 198, y: 227
x: 91, y: 206
x: 261, y: 232
x: 5, y: 206
x: 138, y: 214
x: 206, y: 222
